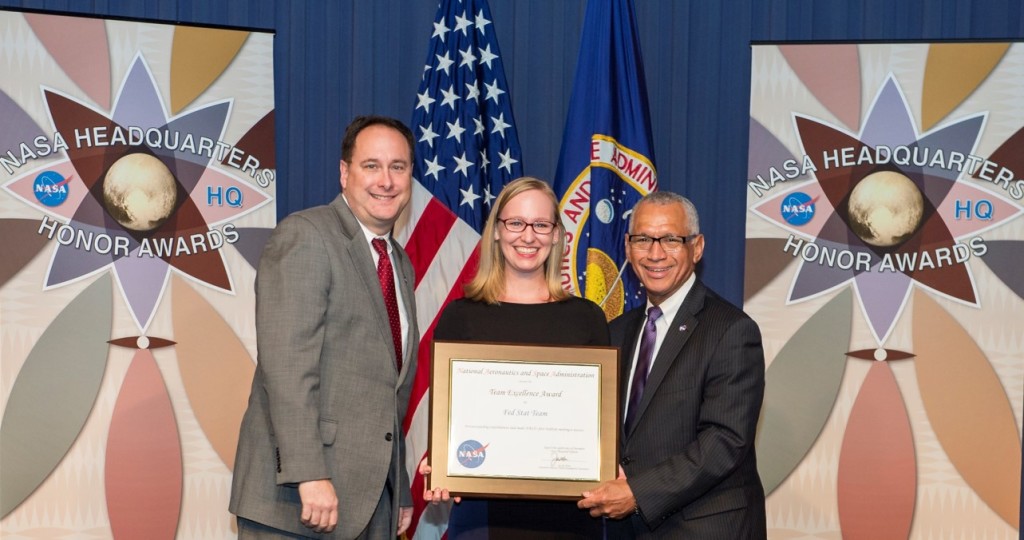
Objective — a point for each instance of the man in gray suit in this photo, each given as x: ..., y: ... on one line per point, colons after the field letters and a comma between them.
x: 321, y: 451
x: 692, y: 393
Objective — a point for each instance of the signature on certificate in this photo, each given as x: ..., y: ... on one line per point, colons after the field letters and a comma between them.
x: 558, y: 460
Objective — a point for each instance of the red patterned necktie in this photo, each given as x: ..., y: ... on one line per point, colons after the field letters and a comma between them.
x: 386, y: 275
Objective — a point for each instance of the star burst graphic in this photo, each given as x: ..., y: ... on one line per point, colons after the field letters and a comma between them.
x: 130, y: 199
x: 132, y: 165
x: 901, y: 213
x: 891, y: 209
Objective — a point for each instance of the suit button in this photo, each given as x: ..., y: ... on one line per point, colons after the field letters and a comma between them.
x: 388, y: 437
x: 626, y: 460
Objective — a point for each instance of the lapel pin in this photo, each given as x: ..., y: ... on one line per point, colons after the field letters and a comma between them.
x: 682, y: 328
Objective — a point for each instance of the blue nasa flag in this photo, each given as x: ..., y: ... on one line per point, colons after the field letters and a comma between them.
x: 607, y: 160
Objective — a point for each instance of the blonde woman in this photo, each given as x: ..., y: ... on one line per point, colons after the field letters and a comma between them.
x: 517, y: 297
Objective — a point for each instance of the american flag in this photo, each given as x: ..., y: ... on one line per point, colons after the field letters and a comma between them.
x: 467, y: 149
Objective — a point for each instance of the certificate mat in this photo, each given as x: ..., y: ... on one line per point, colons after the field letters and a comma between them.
x: 525, y: 421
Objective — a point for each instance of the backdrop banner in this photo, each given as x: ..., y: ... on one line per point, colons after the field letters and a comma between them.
x: 884, y: 244
x: 138, y: 179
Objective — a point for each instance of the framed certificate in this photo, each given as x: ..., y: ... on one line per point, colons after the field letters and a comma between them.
x: 523, y: 421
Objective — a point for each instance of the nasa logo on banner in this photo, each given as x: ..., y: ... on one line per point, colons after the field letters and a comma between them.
x: 50, y: 188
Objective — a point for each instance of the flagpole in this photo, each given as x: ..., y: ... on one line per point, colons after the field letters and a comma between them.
x: 616, y: 283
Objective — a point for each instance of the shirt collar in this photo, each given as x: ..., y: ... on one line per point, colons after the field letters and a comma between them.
x: 671, y: 305
x: 370, y: 235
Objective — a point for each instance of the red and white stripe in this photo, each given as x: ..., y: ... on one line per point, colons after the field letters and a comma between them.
x: 444, y: 254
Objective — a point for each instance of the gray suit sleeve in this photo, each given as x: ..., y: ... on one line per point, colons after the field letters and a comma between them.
x: 292, y: 284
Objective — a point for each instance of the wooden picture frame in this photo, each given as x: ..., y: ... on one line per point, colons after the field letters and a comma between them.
x: 523, y: 421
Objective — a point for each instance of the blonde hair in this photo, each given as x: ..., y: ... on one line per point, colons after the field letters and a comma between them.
x: 488, y: 284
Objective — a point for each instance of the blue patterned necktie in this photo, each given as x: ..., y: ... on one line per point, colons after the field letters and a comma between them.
x: 643, y: 365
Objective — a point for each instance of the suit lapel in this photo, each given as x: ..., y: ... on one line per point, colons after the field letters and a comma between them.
x: 679, y: 332
x: 405, y: 282
x: 359, y: 250
x: 629, y: 344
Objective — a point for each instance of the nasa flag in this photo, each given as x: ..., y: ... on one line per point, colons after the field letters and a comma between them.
x: 607, y: 159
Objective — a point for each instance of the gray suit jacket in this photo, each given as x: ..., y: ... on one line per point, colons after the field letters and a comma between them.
x: 690, y: 456
x: 327, y: 400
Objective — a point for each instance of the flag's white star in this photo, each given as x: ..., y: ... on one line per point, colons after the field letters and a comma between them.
x: 467, y: 57
x: 499, y: 125
x: 468, y: 197
x: 507, y: 161
x: 455, y: 130
x: 450, y: 97
x: 440, y: 30
x: 425, y: 100
x: 493, y: 91
x: 479, y: 126
x: 433, y: 168
x: 484, y: 162
x: 463, y: 164
x: 472, y: 92
x: 461, y: 22
x: 488, y: 196
x: 428, y: 135
x: 486, y: 56
x: 443, y: 63
x: 481, y: 22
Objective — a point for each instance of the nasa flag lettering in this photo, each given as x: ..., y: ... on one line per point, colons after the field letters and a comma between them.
x: 607, y: 159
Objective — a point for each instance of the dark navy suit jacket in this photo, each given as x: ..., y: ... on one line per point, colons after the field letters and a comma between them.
x: 689, y: 458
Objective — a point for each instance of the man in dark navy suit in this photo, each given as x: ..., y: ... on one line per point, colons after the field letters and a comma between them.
x: 692, y: 386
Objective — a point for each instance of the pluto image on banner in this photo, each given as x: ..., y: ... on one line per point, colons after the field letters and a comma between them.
x: 139, y: 192
x: 885, y: 209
